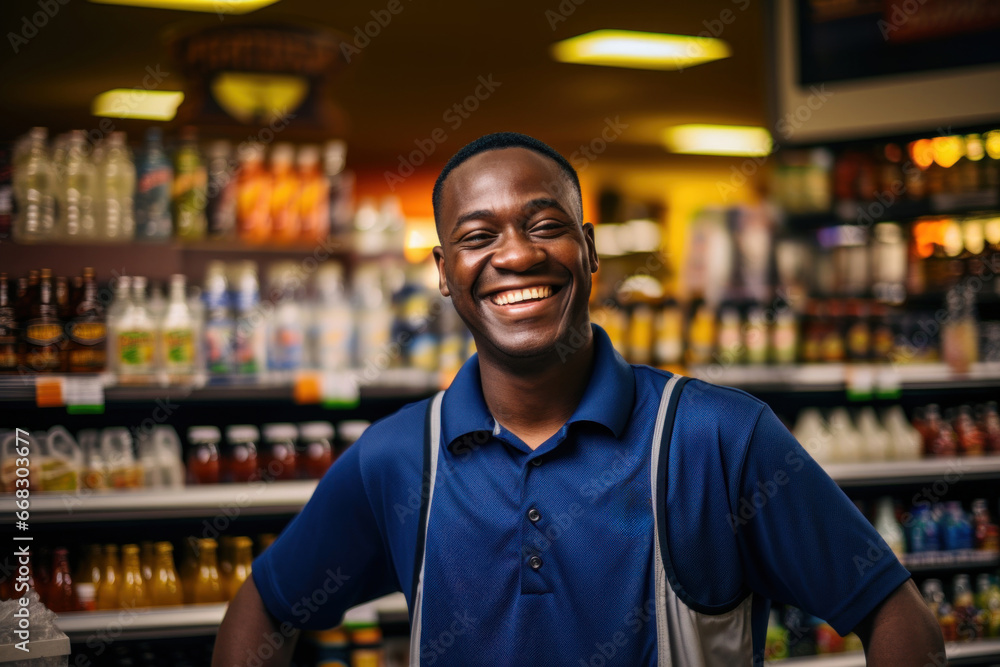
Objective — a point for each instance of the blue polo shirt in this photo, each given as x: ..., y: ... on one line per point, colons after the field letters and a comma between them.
x: 547, y: 556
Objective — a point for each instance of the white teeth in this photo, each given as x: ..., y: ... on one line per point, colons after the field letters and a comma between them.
x: 515, y: 296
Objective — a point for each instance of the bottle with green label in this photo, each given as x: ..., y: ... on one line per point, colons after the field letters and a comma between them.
x: 189, y: 188
x: 134, y: 334
x: 177, y: 334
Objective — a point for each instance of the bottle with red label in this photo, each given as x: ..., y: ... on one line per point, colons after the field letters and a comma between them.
x: 43, y: 332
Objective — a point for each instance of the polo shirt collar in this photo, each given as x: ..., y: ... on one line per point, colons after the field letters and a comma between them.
x: 607, y: 400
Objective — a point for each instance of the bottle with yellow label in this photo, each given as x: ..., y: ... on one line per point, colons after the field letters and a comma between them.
x: 86, y: 331
x: 109, y: 587
x: 134, y: 331
x: 242, y: 560
x: 207, y: 586
x: 43, y: 332
x: 132, y: 592
x: 177, y: 335
x: 165, y: 588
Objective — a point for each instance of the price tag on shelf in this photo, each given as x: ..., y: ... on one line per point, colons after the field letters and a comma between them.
x: 340, y: 390
x: 84, y: 395
x: 307, y: 388
x: 49, y: 391
x: 887, y: 382
x: 860, y: 382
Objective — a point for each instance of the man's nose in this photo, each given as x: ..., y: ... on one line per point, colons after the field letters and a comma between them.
x: 517, y: 252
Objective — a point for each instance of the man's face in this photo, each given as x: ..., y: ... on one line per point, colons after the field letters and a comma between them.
x: 514, y: 257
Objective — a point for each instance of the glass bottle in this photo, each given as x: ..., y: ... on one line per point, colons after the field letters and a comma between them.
x: 147, y: 561
x: 135, y: 333
x: 203, y: 465
x: 61, y: 596
x: 989, y: 422
x: 132, y: 592
x: 116, y: 189
x: 317, y: 448
x: 242, y: 560
x: 8, y: 329
x: 278, y: 455
x: 154, y: 177
x: 189, y: 195
x: 34, y: 189
x: 86, y: 345
x: 253, y: 196
x: 109, y: 587
x: 314, y: 196
x: 241, y: 460
x: 971, y: 440
x: 227, y: 554
x: 165, y: 588
x: 207, y: 586
x: 177, y: 335
x: 189, y: 568
x: 89, y: 569
x: 250, y: 336
x: 284, y: 195
x: 43, y: 332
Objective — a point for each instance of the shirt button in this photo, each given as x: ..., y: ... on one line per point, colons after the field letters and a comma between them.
x: 536, y: 462
x: 534, y: 515
x: 535, y: 562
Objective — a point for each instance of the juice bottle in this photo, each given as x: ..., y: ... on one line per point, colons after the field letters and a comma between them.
x: 333, y: 325
x: 242, y: 560
x: 132, y: 592
x: 701, y: 335
x: 177, y: 334
x: 43, y: 332
x: 314, y: 194
x: 89, y: 569
x: 62, y: 461
x: 278, y: 460
x: 190, y: 180
x: 971, y: 440
x: 317, y: 448
x: 286, y: 331
x: 989, y: 422
x: 86, y: 344
x: 203, y: 460
x: 241, y: 460
x: 189, y: 568
x: 668, y: 349
x: 207, y: 586
x: 154, y: 177
x: 8, y: 328
x: 227, y: 554
x: 253, y: 196
x: 160, y: 458
x: 108, y: 589
x: 250, y: 337
x: 147, y: 561
x: 165, y: 588
x: 284, y: 195
x: 61, y: 596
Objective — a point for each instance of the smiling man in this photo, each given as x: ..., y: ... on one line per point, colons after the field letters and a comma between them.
x: 557, y: 506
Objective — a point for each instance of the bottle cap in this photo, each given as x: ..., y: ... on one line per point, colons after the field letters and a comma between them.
x: 242, y: 433
x: 316, y: 430
x: 280, y: 431
x: 204, y: 434
x: 352, y: 429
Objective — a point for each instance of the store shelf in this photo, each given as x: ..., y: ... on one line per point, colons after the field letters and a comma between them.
x: 852, y: 212
x: 986, y: 648
x: 946, y: 470
x: 254, y: 499
x: 841, y: 377
x: 196, y: 620
x: 947, y: 560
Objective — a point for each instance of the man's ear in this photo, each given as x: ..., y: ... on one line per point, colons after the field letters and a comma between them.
x: 588, y: 237
x: 442, y: 281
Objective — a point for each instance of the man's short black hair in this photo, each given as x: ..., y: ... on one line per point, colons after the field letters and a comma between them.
x: 497, y: 141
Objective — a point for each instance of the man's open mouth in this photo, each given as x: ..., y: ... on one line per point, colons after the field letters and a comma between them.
x: 536, y: 293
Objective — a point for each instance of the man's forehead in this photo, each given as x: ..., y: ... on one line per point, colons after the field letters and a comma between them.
x: 493, y: 172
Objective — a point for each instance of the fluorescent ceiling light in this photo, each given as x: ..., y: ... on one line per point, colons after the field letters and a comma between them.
x: 642, y: 50
x: 138, y: 103
x: 213, y: 6
x: 718, y: 140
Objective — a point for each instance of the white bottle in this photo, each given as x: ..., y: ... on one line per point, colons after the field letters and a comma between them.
x: 160, y: 458
x: 116, y: 189
x: 373, y: 308
x: 847, y: 443
x: 177, y: 335
x: 134, y: 332
x: 332, y: 322
x: 34, y: 188
x: 888, y: 527
x: 813, y: 434
x: 877, y: 442
x: 286, y: 330
x: 907, y: 445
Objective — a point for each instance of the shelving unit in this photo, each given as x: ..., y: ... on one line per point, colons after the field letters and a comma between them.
x: 878, y: 473
x: 957, y: 654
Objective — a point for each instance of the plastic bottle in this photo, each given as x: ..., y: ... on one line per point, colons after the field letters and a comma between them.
x: 313, y: 199
x: 219, y: 329
x: 116, y: 449
x: 848, y: 446
x: 341, y: 186
x: 109, y: 587
x: 61, y: 462
x: 286, y: 331
x: 207, y: 587
x: 253, y: 195
x: 374, y: 314
x: 166, y: 586
x: 154, y: 177
x: 242, y: 561
x: 317, y: 448
x: 116, y: 190
x: 220, y: 210
x: 177, y: 335
x: 95, y: 473
x: 77, y: 190
x: 9, y: 444
x: 189, y: 188
x: 134, y: 334
x: 251, y: 330
x: 132, y: 591
x: 877, y: 441
x: 333, y: 323
x: 888, y: 527
x: 278, y: 460
x: 61, y: 594
x: 906, y: 442
x: 160, y: 458
x: 285, y: 226
x: 34, y: 190
x: 241, y: 460
x: 813, y: 434
x: 203, y: 458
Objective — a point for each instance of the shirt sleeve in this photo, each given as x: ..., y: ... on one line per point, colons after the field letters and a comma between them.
x: 801, y: 540
x: 330, y: 557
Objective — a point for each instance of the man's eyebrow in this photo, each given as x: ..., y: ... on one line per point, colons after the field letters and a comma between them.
x: 473, y: 215
x: 541, y: 203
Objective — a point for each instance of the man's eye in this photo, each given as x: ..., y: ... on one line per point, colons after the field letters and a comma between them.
x: 476, y: 237
x: 548, y: 226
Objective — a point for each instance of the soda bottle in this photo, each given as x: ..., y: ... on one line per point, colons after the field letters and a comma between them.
x: 154, y: 177
x: 43, y: 332
x: 189, y: 191
x: 313, y: 201
x: 34, y: 189
x: 971, y: 439
x: 109, y: 587
x: 8, y: 328
x: 86, y: 345
x: 77, y: 191
x: 207, y: 587
x: 253, y: 196
x: 177, y: 335
x: 284, y: 195
x: 132, y: 592
x: 116, y: 190
x: 220, y: 210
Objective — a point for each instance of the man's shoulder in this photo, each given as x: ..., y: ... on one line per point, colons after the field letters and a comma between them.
x: 398, y: 435
x: 701, y: 400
